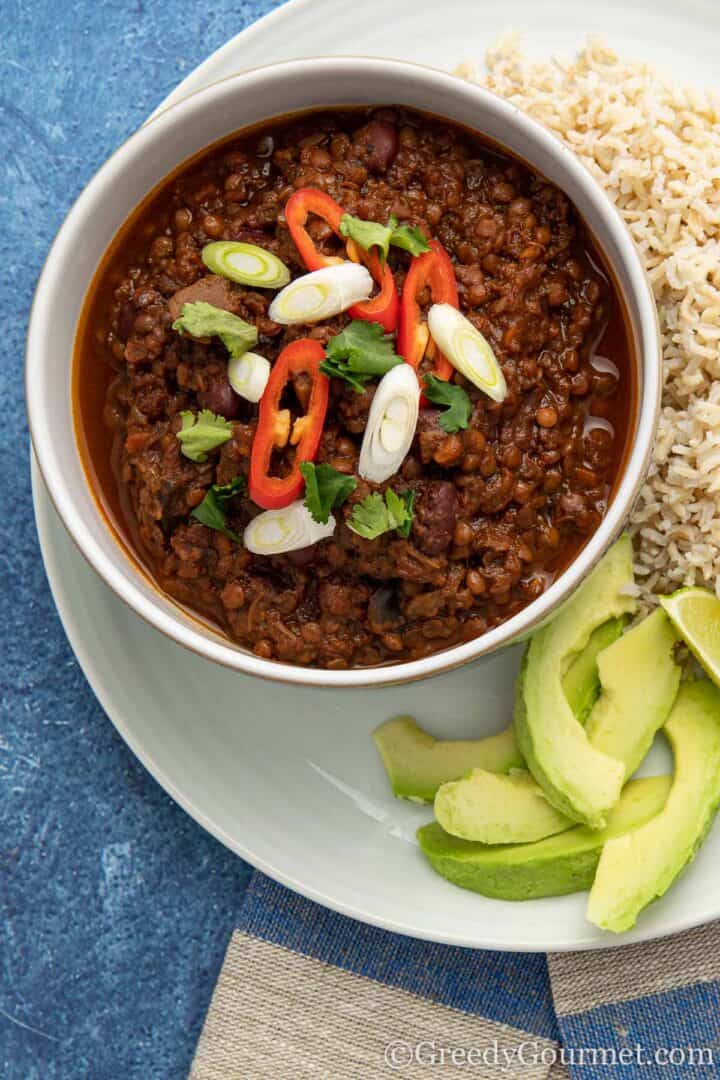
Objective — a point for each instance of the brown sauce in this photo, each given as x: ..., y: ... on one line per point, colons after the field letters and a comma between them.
x: 351, y: 605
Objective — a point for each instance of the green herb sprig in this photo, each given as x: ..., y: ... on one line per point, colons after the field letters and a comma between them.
x: 211, y: 511
x: 458, y: 405
x: 370, y: 234
x: 376, y: 515
x: 359, y: 353
x: 202, y: 432
x: 205, y: 320
x: 325, y: 488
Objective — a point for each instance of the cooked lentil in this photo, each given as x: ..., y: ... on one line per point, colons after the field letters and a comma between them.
x: 501, y: 507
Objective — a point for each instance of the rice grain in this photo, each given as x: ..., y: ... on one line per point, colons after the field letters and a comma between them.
x: 654, y: 146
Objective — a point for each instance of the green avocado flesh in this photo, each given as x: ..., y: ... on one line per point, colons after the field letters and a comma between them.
x: 551, y: 867
x: 496, y: 809
x: 582, y: 681
x: 580, y: 781
x: 417, y: 764
x: 641, y: 865
x: 639, y: 681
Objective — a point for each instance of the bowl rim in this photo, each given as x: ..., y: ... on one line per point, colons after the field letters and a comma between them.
x: 120, y: 574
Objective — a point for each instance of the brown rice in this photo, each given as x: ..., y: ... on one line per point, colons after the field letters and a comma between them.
x: 655, y: 148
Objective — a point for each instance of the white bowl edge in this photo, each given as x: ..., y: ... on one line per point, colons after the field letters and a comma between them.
x: 153, y: 152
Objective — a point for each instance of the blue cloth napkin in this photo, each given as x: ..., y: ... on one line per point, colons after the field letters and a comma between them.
x: 385, y: 1005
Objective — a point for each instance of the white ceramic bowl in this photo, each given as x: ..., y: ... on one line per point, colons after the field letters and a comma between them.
x: 177, y: 134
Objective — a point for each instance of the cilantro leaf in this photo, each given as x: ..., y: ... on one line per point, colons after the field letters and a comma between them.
x: 459, y: 407
x: 206, y: 320
x: 359, y: 353
x: 211, y: 511
x: 376, y: 515
x: 325, y: 488
x: 367, y: 234
x: 201, y: 433
x: 409, y: 238
x: 400, y: 509
x: 365, y: 346
x: 370, y: 518
x: 340, y: 370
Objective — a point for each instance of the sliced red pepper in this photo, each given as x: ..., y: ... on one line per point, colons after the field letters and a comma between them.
x: 382, y: 308
x: 433, y: 269
x: 298, y: 208
x: 273, y: 492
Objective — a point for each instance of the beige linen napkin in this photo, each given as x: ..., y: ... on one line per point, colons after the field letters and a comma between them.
x: 280, y: 1015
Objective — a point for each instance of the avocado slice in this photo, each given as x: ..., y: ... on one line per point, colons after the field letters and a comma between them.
x: 551, y: 867
x: 582, y: 680
x: 640, y: 681
x: 417, y: 764
x: 496, y: 809
x: 580, y: 781
x: 642, y: 864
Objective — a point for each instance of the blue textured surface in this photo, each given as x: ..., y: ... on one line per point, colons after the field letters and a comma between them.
x: 115, y: 908
x: 651, y: 1027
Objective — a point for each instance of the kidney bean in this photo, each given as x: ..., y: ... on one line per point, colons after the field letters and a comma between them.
x: 220, y: 398
x: 377, y: 143
x: 125, y: 322
x: 436, y: 512
x: 303, y: 556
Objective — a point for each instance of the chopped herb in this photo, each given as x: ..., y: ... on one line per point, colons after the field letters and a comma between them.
x: 201, y: 433
x: 211, y: 511
x: 369, y: 234
x: 365, y: 346
x: 336, y: 369
x: 376, y: 515
x: 325, y: 488
x: 409, y: 238
x: 459, y: 407
x: 400, y: 509
x: 206, y: 320
x: 370, y: 518
x: 359, y: 353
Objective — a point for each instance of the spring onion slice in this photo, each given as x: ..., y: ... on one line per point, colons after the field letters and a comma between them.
x: 467, y: 350
x: 321, y: 294
x: 390, y: 425
x: 247, y: 264
x: 277, y: 531
x: 248, y: 375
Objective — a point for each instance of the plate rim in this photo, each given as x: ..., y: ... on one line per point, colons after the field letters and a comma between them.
x: 47, y: 519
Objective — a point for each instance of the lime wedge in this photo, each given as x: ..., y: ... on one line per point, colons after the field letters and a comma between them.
x: 695, y: 614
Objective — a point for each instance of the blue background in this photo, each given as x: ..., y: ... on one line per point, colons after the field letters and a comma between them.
x: 115, y: 907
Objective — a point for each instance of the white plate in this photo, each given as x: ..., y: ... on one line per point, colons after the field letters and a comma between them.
x: 288, y: 777
x: 681, y: 38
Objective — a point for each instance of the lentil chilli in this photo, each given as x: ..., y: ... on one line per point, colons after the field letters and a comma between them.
x: 492, y: 500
